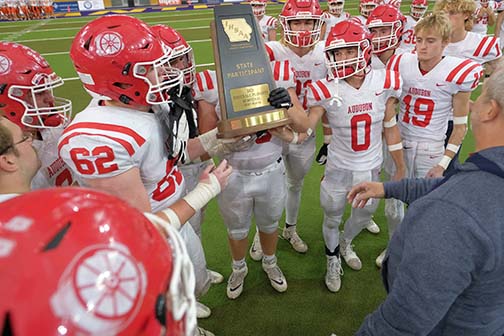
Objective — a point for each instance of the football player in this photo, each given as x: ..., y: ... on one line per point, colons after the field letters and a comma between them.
x: 434, y: 85
x: 267, y: 24
x: 182, y: 58
x: 258, y: 169
x: 27, y: 82
x: 484, y: 49
x: 92, y: 265
x: 360, y: 103
x: 333, y: 15
x: 386, y: 23
x: 365, y: 8
x: 301, y: 28
x: 120, y: 146
x: 484, y: 16
x: 417, y: 11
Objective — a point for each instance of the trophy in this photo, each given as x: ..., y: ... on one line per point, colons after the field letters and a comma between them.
x: 244, y: 77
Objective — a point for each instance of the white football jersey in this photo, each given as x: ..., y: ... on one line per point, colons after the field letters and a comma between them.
x: 476, y: 47
x: 356, y: 122
x: 266, y: 149
x: 309, y: 68
x: 361, y: 18
x: 376, y: 62
x: 480, y: 25
x: 106, y: 141
x: 53, y: 171
x: 205, y: 87
x: 330, y: 20
x: 266, y: 24
x: 426, y: 100
x: 408, y: 40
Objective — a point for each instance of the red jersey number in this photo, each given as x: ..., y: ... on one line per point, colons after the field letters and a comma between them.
x: 104, y: 155
x: 361, y: 125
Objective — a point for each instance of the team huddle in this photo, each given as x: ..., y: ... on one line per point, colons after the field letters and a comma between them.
x: 392, y: 93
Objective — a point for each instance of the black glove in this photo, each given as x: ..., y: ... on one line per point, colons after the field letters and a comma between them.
x: 322, y: 155
x: 280, y: 98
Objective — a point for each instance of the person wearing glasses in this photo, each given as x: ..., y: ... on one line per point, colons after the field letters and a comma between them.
x: 18, y: 160
x: 27, y: 84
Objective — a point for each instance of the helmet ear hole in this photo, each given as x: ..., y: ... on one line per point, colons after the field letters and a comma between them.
x: 160, y: 309
x: 7, y: 326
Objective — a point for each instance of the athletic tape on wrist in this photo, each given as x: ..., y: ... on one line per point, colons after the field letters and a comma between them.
x: 203, y: 193
x: 326, y: 125
x: 445, y: 161
x: 173, y: 218
x: 209, y: 141
x: 395, y: 147
x: 327, y: 139
x: 453, y: 148
x: 295, y: 137
x: 391, y: 123
x: 460, y: 120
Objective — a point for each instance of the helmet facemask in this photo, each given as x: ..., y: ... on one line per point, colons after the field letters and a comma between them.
x: 387, y: 42
x: 37, y: 114
x: 258, y: 8
x: 303, y: 38
x: 348, y: 67
x: 417, y: 11
x: 186, y: 56
x: 160, y: 77
x: 366, y: 8
x: 336, y: 7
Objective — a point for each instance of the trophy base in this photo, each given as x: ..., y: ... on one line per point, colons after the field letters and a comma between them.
x: 231, y: 128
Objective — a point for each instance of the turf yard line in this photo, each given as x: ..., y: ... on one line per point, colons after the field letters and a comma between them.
x: 25, y: 31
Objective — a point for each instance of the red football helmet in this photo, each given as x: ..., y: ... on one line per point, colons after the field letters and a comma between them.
x: 181, y: 49
x: 301, y: 10
x: 258, y: 7
x: 118, y: 57
x: 347, y: 34
x: 418, y: 8
x: 367, y: 6
x: 386, y: 16
x: 86, y: 263
x: 335, y: 7
x: 26, y: 89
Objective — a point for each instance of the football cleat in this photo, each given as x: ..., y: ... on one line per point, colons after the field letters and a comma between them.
x: 291, y: 235
x: 373, y: 227
x: 380, y: 258
x: 276, y: 277
x: 349, y: 255
x: 235, y: 282
x: 334, y: 273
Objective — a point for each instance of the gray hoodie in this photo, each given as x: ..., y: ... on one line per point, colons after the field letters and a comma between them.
x: 444, y: 271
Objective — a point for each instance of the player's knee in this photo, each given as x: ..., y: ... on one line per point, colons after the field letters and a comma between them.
x: 268, y: 228
x: 294, y: 185
x: 331, y: 222
x: 238, y: 234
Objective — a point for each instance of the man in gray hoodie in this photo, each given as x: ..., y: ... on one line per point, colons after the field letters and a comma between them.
x: 444, y: 269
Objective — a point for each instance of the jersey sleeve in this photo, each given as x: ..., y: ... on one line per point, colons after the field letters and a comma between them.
x: 283, y: 74
x: 393, y: 83
x: 318, y: 94
x: 465, y: 76
x: 206, y: 87
x: 488, y: 49
x: 269, y: 51
x: 99, y: 155
x: 272, y: 23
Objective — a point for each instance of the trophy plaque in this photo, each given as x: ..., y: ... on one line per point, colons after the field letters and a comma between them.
x: 244, y: 77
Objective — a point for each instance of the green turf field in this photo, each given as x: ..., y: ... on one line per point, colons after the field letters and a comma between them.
x: 307, y: 308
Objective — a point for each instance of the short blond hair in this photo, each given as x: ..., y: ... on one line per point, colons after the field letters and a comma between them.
x: 438, y: 22
x: 467, y: 7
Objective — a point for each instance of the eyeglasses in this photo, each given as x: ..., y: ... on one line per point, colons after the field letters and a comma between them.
x: 27, y: 136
